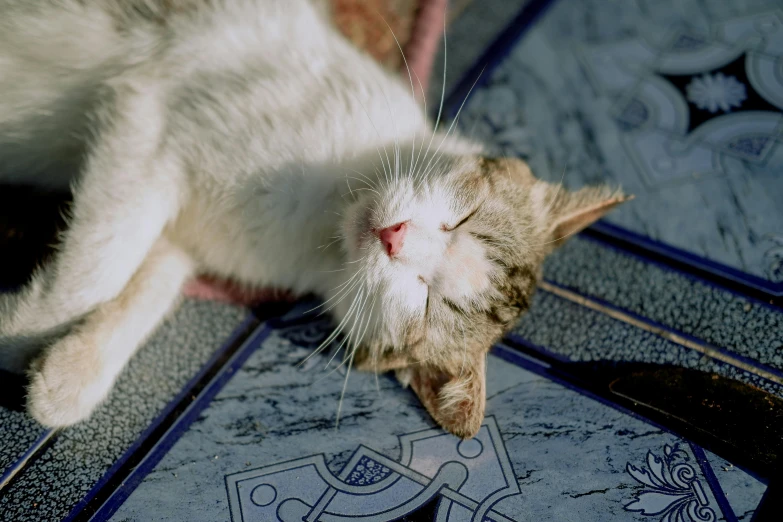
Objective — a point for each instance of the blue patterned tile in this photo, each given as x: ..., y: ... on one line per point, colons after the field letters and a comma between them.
x: 20, y: 436
x: 264, y: 446
x: 676, y: 101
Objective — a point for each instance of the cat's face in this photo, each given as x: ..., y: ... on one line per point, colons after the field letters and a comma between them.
x: 444, y: 264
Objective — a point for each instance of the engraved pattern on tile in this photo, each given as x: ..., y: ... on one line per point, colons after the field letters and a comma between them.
x: 568, y: 452
x: 469, y: 477
x: 580, y: 92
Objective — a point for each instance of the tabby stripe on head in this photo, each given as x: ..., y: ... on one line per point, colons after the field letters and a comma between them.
x: 482, y: 237
x: 454, y: 307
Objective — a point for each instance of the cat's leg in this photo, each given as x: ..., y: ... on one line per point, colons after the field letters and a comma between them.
x: 130, y: 188
x: 77, y: 372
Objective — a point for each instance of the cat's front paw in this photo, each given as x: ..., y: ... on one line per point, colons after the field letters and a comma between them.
x: 65, y: 384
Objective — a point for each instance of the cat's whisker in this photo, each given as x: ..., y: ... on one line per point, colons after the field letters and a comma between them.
x: 352, y: 311
x: 395, y: 171
x: 342, y: 295
x: 413, y: 90
x: 385, y: 152
x: 333, y: 336
x: 559, y: 187
x: 337, y: 350
x: 557, y: 239
x: 345, y: 381
x: 388, y: 106
x: 337, y: 288
x: 413, y: 165
x: 443, y: 89
x: 364, y: 179
x: 360, y: 189
x: 342, y: 394
x: 357, y: 260
x: 349, y: 338
x: 358, y: 342
x: 324, y: 247
x: 338, y: 329
x: 436, y: 156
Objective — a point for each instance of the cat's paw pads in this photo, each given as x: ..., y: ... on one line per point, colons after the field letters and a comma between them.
x: 65, y: 386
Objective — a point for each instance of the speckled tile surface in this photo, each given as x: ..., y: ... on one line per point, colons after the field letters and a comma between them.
x: 580, y: 334
x: 618, y: 92
x: 667, y: 297
x: 51, y: 485
x: 266, y: 448
x: 18, y: 433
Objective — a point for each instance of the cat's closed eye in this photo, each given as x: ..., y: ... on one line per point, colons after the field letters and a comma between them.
x: 447, y: 228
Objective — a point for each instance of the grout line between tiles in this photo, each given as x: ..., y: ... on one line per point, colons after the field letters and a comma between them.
x: 674, y: 337
x: 21, y: 462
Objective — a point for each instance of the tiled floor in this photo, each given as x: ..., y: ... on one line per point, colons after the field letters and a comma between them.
x: 579, y: 426
x: 547, y: 452
x: 678, y: 103
x: 75, y: 460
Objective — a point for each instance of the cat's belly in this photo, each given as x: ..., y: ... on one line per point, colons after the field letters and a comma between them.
x: 271, y: 254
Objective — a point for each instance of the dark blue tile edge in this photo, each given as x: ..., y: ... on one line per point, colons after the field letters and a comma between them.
x: 241, y: 332
x: 712, y: 480
x: 180, y: 426
x: 763, y: 368
x: 705, y: 269
x: 183, y: 423
x: 20, y: 463
x: 479, y: 74
x: 726, y: 276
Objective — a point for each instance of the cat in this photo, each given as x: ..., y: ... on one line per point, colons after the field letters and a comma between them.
x: 248, y: 140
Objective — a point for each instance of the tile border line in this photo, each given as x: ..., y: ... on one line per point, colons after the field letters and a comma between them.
x: 161, y: 448
x: 21, y: 462
x: 714, y: 483
x: 720, y: 354
x: 238, y: 332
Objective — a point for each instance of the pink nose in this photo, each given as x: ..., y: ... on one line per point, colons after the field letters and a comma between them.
x: 392, y: 238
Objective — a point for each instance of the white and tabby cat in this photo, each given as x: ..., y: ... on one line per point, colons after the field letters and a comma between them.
x: 248, y: 140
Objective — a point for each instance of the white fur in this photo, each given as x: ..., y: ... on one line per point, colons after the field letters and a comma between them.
x: 229, y: 140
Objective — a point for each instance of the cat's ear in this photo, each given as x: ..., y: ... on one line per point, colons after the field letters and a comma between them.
x: 570, y: 212
x: 564, y: 212
x: 515, y: 169
x: 455, y: 399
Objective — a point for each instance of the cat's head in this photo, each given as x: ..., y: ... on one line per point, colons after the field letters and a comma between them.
x: 444, y: 262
